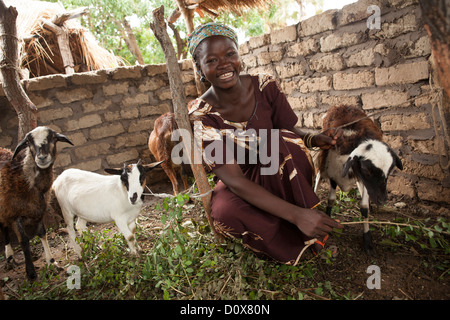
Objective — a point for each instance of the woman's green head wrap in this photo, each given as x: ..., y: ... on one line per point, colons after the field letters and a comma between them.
x: 208, y: 30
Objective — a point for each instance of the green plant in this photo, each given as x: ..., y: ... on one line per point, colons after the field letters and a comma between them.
x: 426, y: 234
x: 181, y: 259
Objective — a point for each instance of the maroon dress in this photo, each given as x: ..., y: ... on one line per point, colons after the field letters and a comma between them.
x: 255, y: 147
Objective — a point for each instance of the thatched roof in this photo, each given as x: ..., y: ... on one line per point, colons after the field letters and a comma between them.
x: 215, y: 7
x: 40, y: 53
x: 235, y: 6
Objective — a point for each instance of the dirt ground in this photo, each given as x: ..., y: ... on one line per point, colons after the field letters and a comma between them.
x: 406, y: 272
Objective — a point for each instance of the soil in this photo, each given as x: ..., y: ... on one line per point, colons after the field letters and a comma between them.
x: 406, y: 272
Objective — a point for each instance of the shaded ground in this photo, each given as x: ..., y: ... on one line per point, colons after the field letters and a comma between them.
x: 407, y: 271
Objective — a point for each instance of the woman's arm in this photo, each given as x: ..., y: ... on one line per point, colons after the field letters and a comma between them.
x: 323, y: 140
x: 312, y: 223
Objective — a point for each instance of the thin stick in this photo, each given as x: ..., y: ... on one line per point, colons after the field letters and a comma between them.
x: 307, y: 245
x: 395, y: 224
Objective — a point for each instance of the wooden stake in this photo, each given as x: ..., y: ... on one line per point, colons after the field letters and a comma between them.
x: 180, y: 109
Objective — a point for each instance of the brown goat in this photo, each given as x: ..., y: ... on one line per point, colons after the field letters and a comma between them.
x: 161, y: 145
x: 359, y: 157
x: 25, y: 179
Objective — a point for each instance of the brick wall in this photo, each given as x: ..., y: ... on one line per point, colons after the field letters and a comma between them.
x: 107, y: 114
x: 334, y: 58
x: 329, y: 59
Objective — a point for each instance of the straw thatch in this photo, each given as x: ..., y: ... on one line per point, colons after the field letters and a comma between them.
x: 39, y: 51
x: 214, y: 7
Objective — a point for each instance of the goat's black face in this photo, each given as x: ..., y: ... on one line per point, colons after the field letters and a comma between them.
x: 133, y: 178
x: 42, y: 145
x: 133, y: 181
x: 124, y: 177
x: 372, y: 162
x: 373, y: 179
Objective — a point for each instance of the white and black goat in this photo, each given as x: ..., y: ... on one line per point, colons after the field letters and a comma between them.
x: 25, y: 179
x: 360, y: 156
x: 97, y: 198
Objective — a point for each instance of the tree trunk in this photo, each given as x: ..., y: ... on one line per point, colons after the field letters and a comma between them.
x: 131, y: 42
x: 180, y: 109
x: 181, y: 44
x: 188, y: 16
x: 436, y: 14
x: 9, y: 70
x: 128, y: 36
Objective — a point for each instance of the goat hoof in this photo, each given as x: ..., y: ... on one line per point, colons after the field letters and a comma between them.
x: 328, y: 211
x: 54, y: 264
x: 10, y: 264
x: 31, y: 274
x: 368, y: 243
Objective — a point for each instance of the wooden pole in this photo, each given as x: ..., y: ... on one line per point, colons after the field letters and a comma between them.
x: 180, y: 109
x: 62, y: 36
x: 188, y: 15
x: 9, y: 71
x: 56, y: 25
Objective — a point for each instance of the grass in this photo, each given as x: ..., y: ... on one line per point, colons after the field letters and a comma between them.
x: 182, y: 260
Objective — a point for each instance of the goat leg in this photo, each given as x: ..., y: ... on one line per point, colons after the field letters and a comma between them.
x: 183, y: 175
x: 170, y: 172
x: 364, y: 209
x: 9, y: 253
x: 25, y: 244
x: 42, y: 234
x: 331, y: 197
x: 129, y: 236
x: 367, y: 235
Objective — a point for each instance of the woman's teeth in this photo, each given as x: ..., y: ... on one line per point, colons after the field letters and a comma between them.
x: 226, y: 75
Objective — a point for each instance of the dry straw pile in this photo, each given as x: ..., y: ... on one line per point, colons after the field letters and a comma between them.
x: 39, y: 51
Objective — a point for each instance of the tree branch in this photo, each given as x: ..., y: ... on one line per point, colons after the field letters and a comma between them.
x: 9, y: 71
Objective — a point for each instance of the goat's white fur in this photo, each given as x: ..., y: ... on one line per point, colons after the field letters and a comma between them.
x: 379, y: 154
x: 334, y: 164
x: 99, y: 198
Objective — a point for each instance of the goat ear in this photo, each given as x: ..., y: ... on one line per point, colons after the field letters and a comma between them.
x: 397, y: 161
x: 153, y: 165
x: 348, y: 164
x: 63, y: 138
x: 114, y: 171
x: 22, y: 145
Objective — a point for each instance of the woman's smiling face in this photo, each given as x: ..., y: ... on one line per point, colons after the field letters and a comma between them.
x: 219, y: 61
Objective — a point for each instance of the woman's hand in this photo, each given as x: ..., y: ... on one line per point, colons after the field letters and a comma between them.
x: 314, y: 223
x: 327, y: 139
